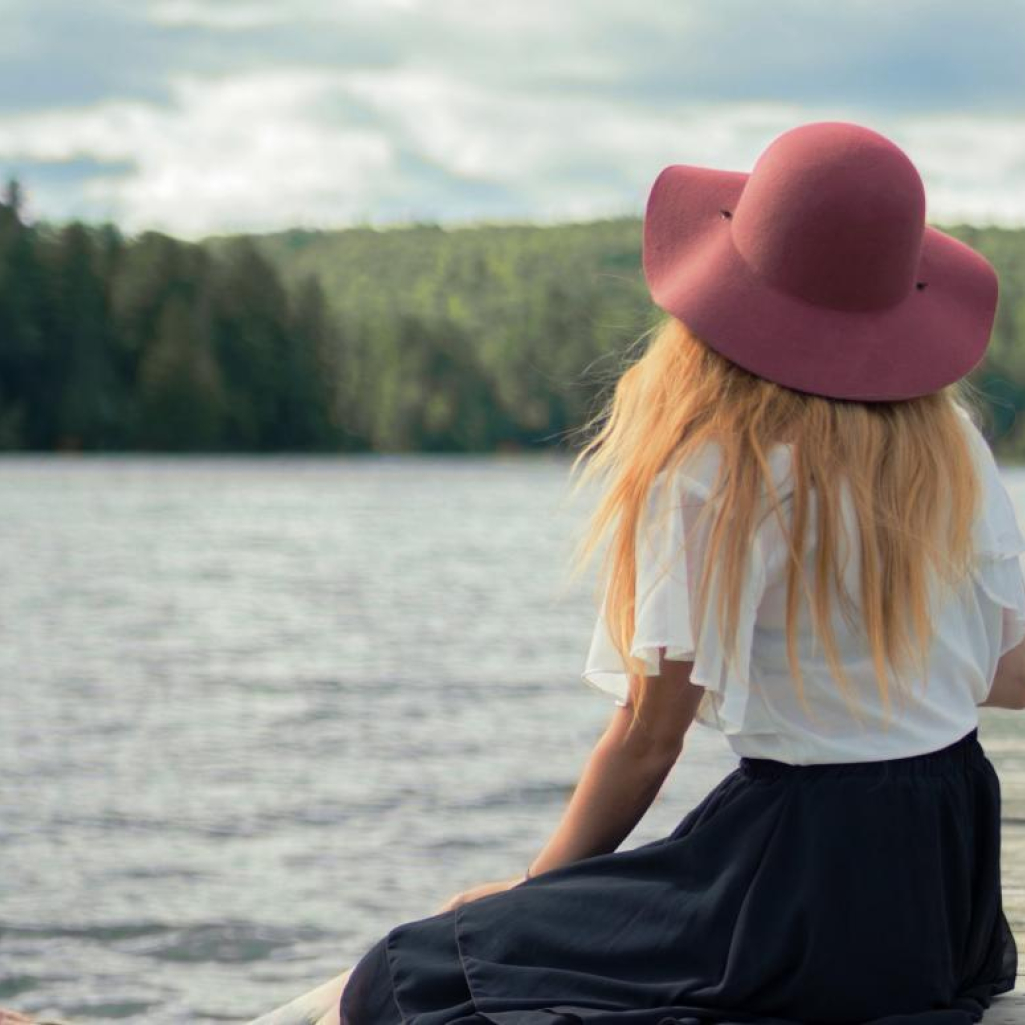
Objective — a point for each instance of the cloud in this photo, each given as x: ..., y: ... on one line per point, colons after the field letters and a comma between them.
x: 233, y: 154
x: 201, y: 116
x: 241, y: 14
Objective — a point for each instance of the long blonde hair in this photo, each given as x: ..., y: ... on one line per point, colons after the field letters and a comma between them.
x: 906, y: 463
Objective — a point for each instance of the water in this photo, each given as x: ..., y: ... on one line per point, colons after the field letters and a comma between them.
x: 256, y: 711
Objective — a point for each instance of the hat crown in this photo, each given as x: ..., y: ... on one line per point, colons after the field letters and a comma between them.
x: 833, y: 213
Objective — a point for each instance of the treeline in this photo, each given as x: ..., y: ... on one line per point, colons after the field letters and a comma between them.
x: 113, y: 344
x: 405, y: 339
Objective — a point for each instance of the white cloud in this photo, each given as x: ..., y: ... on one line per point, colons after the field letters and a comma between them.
x: 178, y: 13
x: 242, y: 14
x: 973, y: 167
x: 536, y: 110
x: 228, y: 154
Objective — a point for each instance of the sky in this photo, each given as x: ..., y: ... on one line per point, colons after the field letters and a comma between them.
x: 202, y: 117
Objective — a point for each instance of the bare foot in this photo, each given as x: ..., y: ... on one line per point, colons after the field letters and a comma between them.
x: 9, y: 1017
x: 333, y: 1017
x: 318, y: 1006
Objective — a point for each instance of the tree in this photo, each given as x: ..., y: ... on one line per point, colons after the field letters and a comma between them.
x: 181, y: 391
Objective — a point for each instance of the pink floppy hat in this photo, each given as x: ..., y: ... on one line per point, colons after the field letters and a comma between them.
x: 817, y: 270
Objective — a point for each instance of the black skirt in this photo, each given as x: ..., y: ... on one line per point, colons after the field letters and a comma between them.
x: 864, y: 892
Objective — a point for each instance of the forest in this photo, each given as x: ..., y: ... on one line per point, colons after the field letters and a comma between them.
x: 422, y: 337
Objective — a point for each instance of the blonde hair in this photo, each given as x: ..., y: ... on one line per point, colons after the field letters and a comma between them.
x: 906, y: 463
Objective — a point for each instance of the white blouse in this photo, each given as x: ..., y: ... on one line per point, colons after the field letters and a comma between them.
x: 754, y: 702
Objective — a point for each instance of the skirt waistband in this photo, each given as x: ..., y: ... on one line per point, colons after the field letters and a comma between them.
x: 957, y: 755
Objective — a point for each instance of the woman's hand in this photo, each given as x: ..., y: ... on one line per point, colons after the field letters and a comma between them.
x: 479, y: 891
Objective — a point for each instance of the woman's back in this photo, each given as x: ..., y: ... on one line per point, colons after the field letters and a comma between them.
x: 755, y: 703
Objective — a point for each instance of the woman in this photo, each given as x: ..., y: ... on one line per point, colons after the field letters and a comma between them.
x: 812, y: 551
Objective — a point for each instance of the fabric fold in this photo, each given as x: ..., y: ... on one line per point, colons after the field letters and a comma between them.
x: 1002, y: 581
x: 999, y: 542
x: 670, y: 557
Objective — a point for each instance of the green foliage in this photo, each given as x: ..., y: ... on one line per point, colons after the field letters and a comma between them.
x: 416, y: 338
x: 472, y: 339
x: 156, y: 344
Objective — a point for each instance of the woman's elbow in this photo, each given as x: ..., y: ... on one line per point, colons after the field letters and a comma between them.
x: 668, y: 708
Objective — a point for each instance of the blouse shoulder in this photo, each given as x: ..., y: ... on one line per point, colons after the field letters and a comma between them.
x: 698, y: 473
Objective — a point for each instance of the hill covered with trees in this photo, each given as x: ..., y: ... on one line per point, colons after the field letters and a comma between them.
x: 418, y: 338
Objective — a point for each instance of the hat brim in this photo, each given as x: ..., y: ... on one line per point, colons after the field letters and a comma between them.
x: 933, y: 337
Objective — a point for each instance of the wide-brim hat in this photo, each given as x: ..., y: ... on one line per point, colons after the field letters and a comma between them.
x: 816, y: 269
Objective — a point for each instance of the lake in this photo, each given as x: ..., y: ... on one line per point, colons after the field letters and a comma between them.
x: 256, y: 711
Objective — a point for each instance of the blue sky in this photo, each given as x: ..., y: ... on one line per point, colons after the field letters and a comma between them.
x: 198, y: 117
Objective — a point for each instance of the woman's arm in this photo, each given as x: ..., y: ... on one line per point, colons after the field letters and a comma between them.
x: 626, y: 769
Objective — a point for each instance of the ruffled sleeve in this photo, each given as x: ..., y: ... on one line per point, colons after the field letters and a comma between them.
x: 668, y: 577
x: 1004, y: 583
x: 998, y: 568
x: 999, y: 543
